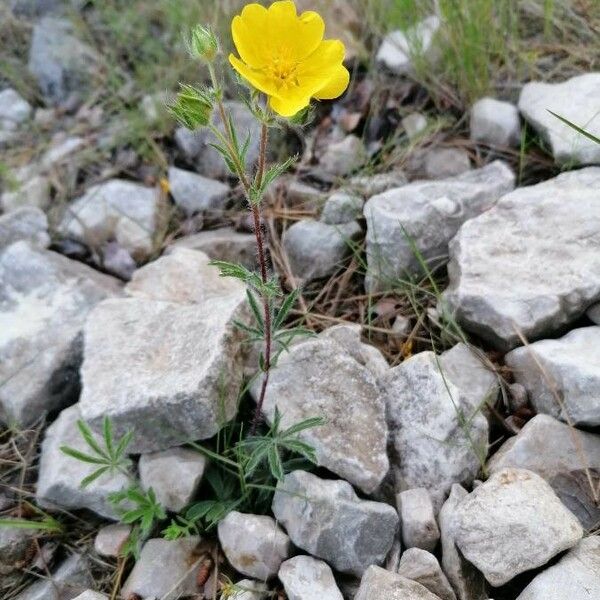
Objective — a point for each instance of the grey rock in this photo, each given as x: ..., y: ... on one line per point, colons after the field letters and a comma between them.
x: 398, y: 48
x: 594, y: 313
x: 576, y: 100
x: 305, y: 196
x: 342, y: 207
x: 414, y: 125
x: 165, y: 569
x: 495, y: 123
x: 369, y: 185
x: 306, y: 578
x: 424, y: 568
x: 341, y: 158
x: 553, y: 278
x: 118, y: 261
x: 562, y: 377
x: 68, y: 581
x: 60, y: 62
x: 377, y: 584
x: 195, y: 193
x: 466, y: 580
x: 254, y: 545
x: 437, y: 437
x: 27, y: 223
x: 512, y: 523
x: 117, y: 209
x: 14, y: 109
x: 155, y: 363
x: 44, y: 301
x: 223, y: 244
x: 190, y: 143
x: 60, y: 476
x: 564, y: 456
x: 91, y: 595
x: 247, y: 589
x: 61, y: 149
x: 429, y: 214
x: 318, y: 378
x: 327, y: 519
x: 35, y: 191
x: 442, y: 163
x: 173, y: 474
x: 316, y: 249
x: 31, y: 8
x: 110, y: 539
x: 574, y: 577
x: 417, y: 518
x: 14, y: 545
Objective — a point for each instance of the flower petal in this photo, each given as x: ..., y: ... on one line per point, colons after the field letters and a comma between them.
x: 336, y: 86
x: 324, y: 61
x: 249, y: 31
x: 289, y: 105
x: 258, y: 79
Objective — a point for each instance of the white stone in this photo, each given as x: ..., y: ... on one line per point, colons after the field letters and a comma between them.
x: 428, y: 215
x: 301, y: 195
x: 342, y: 207
x: 195, y: 193
x: 370, y: 185
x: 306, y: 578
x: 27, y: 223
x: 33, y: 192
x: 437, y: 436
x: 91, y: 595
x: 44, y: 301
x: 562, y: 377
x: 247, y: 589
x: 341, y: 158
x: 328, y: 520
x: 424, y: 568
x: 442, y: 163
x: 575, y: 577
x: 512, y: 523
x: 110, y: 539
x: 495, y: 123
x: 378, y: 584
x: 254, y: 545
x: 575, y: 100
x: 414, y: 125
x: 553, y: 278
x: 60, y: 150
x: 116, y: 209
x: 417, y: 518
x: 14, y: 109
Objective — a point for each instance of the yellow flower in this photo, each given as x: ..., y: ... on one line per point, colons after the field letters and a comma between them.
x: 284, y: 55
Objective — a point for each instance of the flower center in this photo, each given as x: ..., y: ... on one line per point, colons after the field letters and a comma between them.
x: 283, y: 68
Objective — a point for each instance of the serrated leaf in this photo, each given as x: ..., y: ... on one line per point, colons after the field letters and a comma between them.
x: 255, y: 310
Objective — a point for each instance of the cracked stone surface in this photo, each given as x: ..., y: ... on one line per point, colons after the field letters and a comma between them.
x: 378, y: 583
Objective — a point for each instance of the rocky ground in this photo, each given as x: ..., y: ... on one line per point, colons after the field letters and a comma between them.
x: 450, y: 273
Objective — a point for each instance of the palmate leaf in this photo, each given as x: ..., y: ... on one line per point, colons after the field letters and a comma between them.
x: 270, y: 289
x: 88, y: 436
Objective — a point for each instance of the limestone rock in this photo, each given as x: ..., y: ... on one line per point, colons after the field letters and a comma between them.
x: 370, y: 185
x: 414, y: 125
x: 316, y: 249
x: 562, y: 377
x: 91, y: 595
x: 246, y: 589
x: 317, y: 378
x: 512, y: 523
x: 165, y: 569
x: 576, y: 100
x: 44, y: 301
x: 61, y: 149
x: 195, y: 193
x: 118, y: 261
x: 116, y: 209
x: 437, y: 436
x: 254, y: 545
x: 553, y: 279
x: 306, y: 578
x: 417, y: 518
x: 495, y: 123
x: 430, y: 214
x: 301, y: 195
x: 442, y: 163
x: 34, y: 191
x: 173, y: 474
x: 327, y: 519
x: 342, y: 207
x: 14, y: 109
x: 424, y: 568
x: 27, y: 223
x: 110, y: 539
x: 594, y: 313
x: 377, y: 584
x: 341, y: 158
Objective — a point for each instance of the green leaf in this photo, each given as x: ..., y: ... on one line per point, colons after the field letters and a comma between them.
x: 192, y: 107
x: 303, y: 425
x: 275, y: 463
x: 255, y: 310
x: 93, y: 476
x: 81, y: 456
x: 285, y: 308
x: 108, y: 436
x: 123, y: 444
x: 48, y: 524
x: 90, y: 440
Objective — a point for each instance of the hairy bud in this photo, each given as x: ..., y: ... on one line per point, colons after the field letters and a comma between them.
x: 203, y: 43
x: 192, y: 107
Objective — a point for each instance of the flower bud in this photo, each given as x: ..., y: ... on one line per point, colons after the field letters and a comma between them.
x: 203, y: 43
x: 192, y: 107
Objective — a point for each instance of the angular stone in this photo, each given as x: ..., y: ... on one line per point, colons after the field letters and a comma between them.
x: 495, y: 123
x: 35, y: 192
x: 116, y: 209
x: 318, y: 378
x: 427, y: 214
x: 467, y: 581
x: 377, y: 584
x: 328, y: 520
x: 369, y: 185
x: 44, y: 301
x: 246, y: 589
x: 164, y: 363
x: 173, y: 474
x: 315, y: 249
x: 398, y: 48
x: 575, y: 577
x: 27, y: 223
x: 438, y: 437
x: 254, y: 545
x: 118, y: 261
x: 553, y: 279
x: 301, y: 195
x: 442, y: 163
x: 166, y: 569
x: 59, y: 61
x: 68, y: 581
x: 342, y: 207
x: 223, y: 244
x: 306, y: 578
x: 110, y: 539
x: 14, y: 109
x: 568, y: 459
x: 14, y: 545
x: 195, y: 193
x: 341, y: 158
x: 512, y: 523
x: 562, y: 377
x: 417, y: 518
x: 60, y: 476
x: 424, y: 568
x: 575, y: 100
